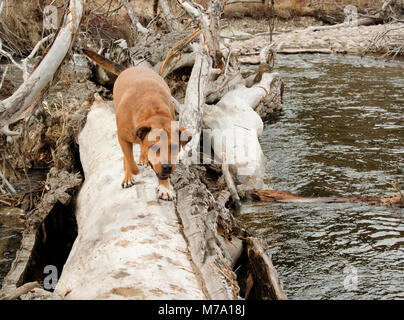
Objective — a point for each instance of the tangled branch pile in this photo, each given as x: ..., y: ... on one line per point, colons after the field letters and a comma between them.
x: 389, y: 42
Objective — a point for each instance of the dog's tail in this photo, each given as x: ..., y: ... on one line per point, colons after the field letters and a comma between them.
x: 104, y: 62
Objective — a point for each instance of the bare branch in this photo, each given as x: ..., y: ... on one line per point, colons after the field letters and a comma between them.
x: 3, y: 77
x: 191, y: 115
x: 7, y: 184
x: 208, y: 21
x: 26, y: 61
x: 136, y: 25
x: 229, y: 181
x: 172, y: 22
x: 176, y: 49
x: 10, y: 57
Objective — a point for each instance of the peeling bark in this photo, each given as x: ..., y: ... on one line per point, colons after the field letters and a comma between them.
x: 199, y: 214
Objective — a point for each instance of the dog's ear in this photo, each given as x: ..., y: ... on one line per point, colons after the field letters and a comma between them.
x: 185, y: 136
x: 141, y: 131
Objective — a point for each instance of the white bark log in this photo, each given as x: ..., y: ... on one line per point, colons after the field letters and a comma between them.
x: 236, y: 128
x: 129, y: 244
x: 191, y: 115
x: 360, y: 22
x: 15, y: 107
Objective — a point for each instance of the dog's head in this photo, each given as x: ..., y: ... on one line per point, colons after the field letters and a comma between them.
x: 160, y: 144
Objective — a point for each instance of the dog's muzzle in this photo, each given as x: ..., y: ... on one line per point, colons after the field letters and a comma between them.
x: 166, y: 171
x: 167, y: 168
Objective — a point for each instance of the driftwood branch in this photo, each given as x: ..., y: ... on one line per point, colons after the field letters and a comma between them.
x: 266, y: 281
x: 286, y: 196
x: 176, y: 50
x: 6, y: 183
x: 25, y: 288
x: 172, y: 22
x: 380, y: 16
x: 191, y: 115
x: 208, y: 22
x: 25, y: 63
x: 15, y: 107
x: 9, y: 56
x: 230, y: 182
x: 3, y: 76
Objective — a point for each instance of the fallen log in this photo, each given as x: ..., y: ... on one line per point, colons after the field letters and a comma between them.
x: 264, y: 277
x: 235, y: 128
x: 286, y: 196
x: 129, y: 244
x: 359, y: 22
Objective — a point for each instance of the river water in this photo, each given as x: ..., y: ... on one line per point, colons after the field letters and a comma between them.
x: 341, y: 133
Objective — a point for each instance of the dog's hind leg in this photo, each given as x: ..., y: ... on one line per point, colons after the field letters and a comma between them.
x: 129, y: 164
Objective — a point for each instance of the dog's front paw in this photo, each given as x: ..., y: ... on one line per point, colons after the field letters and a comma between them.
x: 143, y: 162
x: 128, y: 182
x: 143, y: 159
x: 165, y: 194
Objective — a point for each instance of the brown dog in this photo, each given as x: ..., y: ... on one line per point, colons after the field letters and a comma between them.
x: 145, y: 115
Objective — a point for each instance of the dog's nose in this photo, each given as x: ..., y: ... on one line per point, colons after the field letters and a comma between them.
x: 167, y: 168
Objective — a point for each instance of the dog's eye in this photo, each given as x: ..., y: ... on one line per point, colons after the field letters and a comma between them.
x: 155, y: 148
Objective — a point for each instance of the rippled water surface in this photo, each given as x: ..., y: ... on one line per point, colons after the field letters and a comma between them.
x: 341, y: 133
